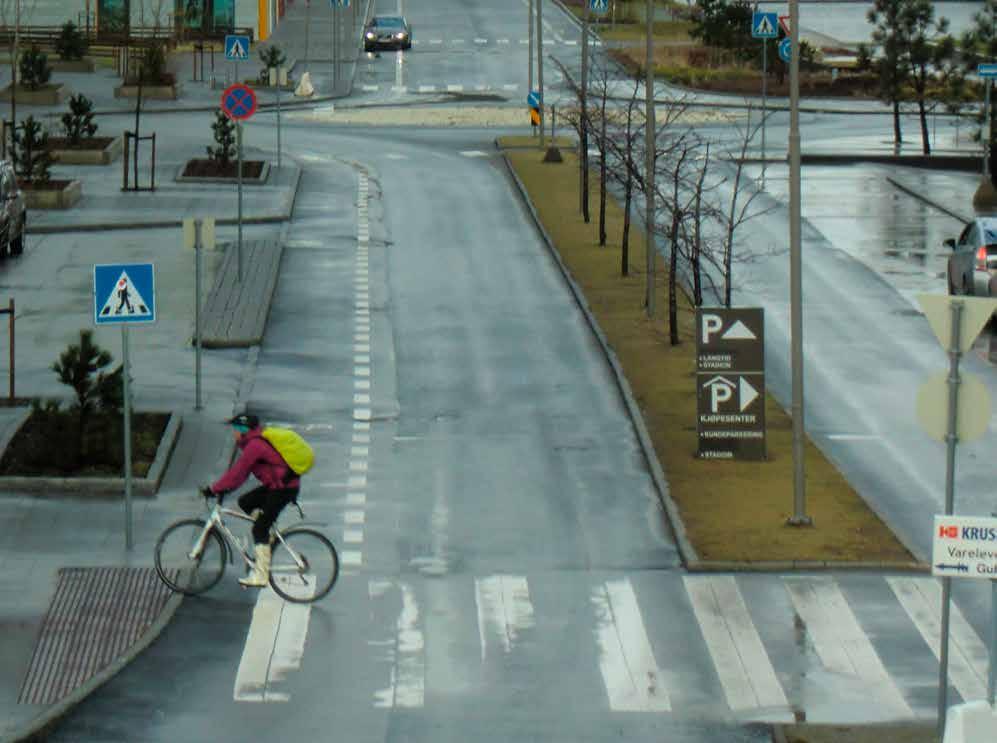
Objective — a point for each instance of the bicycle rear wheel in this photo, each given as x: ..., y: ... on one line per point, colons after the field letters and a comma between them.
x: 183, y: 572
x: 304, y: 567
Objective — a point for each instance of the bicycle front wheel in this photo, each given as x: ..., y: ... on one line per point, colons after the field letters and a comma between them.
x: 304, y: 567
x: 184, y: 571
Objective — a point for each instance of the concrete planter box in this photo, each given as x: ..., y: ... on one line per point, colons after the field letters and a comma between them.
x: 89, y: 155
x: 51, y: 94
x: 72, y: 65
x: 150, y: 92
x: 58, y: 197
x: 141, y: 486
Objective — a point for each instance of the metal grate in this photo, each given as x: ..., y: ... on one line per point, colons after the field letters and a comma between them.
x: 95, y: 616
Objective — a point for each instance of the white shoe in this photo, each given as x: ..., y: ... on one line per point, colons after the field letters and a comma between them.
x: 260, y: 577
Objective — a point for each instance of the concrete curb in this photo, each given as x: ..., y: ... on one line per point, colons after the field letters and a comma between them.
x: 687, y: 552
x: 95, y: 486
x: 790, y: 566
x: 921, y: 197
x: 37, y: 729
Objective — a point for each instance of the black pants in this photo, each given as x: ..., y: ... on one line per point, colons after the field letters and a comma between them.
x: 271, y: 503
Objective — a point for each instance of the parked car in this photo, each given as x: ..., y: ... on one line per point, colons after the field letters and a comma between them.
x: 391, y: 31
x: 13, y: 212
x: 972, y: 267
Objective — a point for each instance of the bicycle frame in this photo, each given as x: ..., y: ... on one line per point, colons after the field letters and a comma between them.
x: 216, y: 521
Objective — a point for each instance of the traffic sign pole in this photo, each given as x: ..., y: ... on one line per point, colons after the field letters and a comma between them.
x: 992, y: 671
x: 335, y: 49
x: 540, y: 66
x: 197, y: 314
x: 238, y: 140
x: 950, y: 442
x: 126, y: 390
x: 765, y: 77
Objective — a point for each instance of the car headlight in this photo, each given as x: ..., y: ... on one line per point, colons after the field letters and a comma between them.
x: 370, y: 34
x: 400, y: 35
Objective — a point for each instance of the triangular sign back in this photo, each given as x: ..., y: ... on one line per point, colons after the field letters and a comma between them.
x: 975, y: 313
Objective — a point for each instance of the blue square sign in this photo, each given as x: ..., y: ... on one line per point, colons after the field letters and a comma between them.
x: 124, y: 293
x: 765, y: 25
x: 236, y: 48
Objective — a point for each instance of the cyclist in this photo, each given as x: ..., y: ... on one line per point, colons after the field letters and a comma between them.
x: 279, y: 486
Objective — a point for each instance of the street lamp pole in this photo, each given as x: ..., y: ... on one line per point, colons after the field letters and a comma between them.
x: 649, y: 147
x: 799, y: 517
x: 540, y: 66
x: 583, y: 148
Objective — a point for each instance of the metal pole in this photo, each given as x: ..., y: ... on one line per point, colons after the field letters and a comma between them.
x: 986, y: 139
x: 529, y: 74
x: 765, y: 61
x: 197, y: 314
x: 238, y: 136
x: 799, y: 517
x: 992, y: 674
x: 540, y: 66
x: 649, y: 148
x: 278, y: 118
x: 951, y: 438
x: 13, y: 83
x: 583, y: 153
x: 308, y: 14
x: 335, y: 49
x: 10, y: 325
x: 126, y: 374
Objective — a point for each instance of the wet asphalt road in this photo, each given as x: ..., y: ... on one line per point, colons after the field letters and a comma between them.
x: 508, y: 574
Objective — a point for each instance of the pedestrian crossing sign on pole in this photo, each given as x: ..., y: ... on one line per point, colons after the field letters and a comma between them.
x: 124, y: 293
x: 599, y: 6
x: 765, y: 25
x: 236, y: 48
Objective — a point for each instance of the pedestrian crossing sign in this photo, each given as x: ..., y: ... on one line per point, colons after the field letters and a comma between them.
x: 765, y: 25
x: 124, y: 293
x: 236, y: 48
x: 599, y: 6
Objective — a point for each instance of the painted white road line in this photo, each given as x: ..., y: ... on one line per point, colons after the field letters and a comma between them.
x: 353, y: 536
x: 427, y: 88
x: 371, y: 88
x: 921, y: 598
x: 629, y: 671
x: 275, y: 645
x: 744, y: 668
x: 406, y: 650
x: 504, y: 609
x: 840, y: 643
x: 481, y: 41
x: 455, y: 88
x: 473, y: 153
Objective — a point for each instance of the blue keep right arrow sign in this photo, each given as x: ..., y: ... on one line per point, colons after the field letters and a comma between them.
x: 987, y: 69
x: 785, y: 49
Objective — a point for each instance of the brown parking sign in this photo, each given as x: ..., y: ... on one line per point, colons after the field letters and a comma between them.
x: 730, y: 382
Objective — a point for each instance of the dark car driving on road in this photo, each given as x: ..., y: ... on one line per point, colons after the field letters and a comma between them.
x: 391, y: 31
x: 972, y: 266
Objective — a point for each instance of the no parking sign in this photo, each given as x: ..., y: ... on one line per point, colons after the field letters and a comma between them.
x: 238, y: 102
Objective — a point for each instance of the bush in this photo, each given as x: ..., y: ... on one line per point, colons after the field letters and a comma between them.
x: 224, y: 132
x: 71, y: 43
x: 272, y: 56
x: 32, y: 163
x: 34, y: 68
x: 78, y: 123
x: 81, y: 367
x: 152, y: 68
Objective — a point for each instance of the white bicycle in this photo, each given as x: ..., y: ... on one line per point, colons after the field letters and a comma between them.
x: 191, y: 555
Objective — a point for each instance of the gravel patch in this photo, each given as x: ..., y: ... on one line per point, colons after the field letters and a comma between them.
x: 457, y: 116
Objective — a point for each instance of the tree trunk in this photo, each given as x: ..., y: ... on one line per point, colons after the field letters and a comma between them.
x: 625, y: 245
x: 673, y: 307
x: 897, y: 137
x: 923, y: 115
x: 602, y: 176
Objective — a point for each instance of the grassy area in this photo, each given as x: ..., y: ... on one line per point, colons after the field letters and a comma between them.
x: 731, y: 510
x: 664, y: 31
x: 910, y: 733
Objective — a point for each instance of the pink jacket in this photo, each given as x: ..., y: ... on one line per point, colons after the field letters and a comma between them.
x: 260, y: 459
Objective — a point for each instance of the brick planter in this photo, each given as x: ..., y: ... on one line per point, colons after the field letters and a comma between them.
x: 56, y: 195
x: 72, y: 65
x: 50, y: 94
x: 150, y: 92
x: 95, y: 151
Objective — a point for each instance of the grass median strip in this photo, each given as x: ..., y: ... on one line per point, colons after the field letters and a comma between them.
x: 732, y: 510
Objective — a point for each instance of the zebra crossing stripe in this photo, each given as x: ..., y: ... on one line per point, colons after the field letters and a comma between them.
x: 745, y: 671
x: 504, y: 609
x: 275, y: 645
x: 839, y: 641
x: 632, y: 678
x: 921, y: 598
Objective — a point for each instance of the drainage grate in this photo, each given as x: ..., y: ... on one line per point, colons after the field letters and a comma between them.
x: 95, y: 616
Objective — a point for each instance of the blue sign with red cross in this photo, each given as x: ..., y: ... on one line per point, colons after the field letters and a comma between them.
x: 238, y: 101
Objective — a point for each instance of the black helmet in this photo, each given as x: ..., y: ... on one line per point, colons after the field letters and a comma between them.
x: 244, y: 420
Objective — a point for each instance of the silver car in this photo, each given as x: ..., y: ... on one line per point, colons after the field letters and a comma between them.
x: 972, y: 267
x: 13, y: 212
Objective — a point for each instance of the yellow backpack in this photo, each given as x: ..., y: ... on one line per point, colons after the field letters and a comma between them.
x: 297, y: 453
